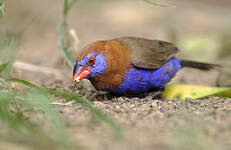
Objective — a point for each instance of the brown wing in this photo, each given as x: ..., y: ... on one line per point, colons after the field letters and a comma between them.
x: 148, y: 54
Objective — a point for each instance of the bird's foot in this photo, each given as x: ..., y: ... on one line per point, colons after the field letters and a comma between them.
x: 147, y: 97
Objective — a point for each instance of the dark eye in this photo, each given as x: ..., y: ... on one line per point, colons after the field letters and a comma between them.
x: 91, y: 61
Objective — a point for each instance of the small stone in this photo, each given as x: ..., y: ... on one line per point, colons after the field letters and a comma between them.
x: 163, y: 109
x: 99, y: 104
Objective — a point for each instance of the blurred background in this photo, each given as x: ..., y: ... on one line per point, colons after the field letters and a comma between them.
x: 200, y: 28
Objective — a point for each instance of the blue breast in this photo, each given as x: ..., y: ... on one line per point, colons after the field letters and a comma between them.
x: 137, y: 81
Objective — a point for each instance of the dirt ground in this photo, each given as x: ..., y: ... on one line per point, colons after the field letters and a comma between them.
x: 158, y: 124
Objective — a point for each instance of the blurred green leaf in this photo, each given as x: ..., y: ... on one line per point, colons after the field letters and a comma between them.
x: 181, y: 91
x: 38, y: 98
x: 62, y: 93
x: 8, y: 118
x: 62, y: 32
x: 67, y: 6
x: 23, y: 82
x: 151, y: 2
x: 2, y: 7
x: 63, y: 47
x: 225, y: 93
x: 13, y: 44
x: 17, y: 128
x: 3, y: 66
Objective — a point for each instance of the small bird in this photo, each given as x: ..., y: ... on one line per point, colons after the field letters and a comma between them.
x: 130, y: 66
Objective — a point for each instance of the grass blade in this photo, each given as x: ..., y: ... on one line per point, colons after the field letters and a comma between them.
x: 150, y: 2
x: 11, y: 121
x: 67, y: 6
x: 38, y: 97
x: 2, y: 7
x: 63, y: 48
x: 3, y: 66
x: 62, y: 93
x: 22, y: 130
x: 23, y: 82
x: 62, y: 32
x: 65, y: 94
x: 13, y: 44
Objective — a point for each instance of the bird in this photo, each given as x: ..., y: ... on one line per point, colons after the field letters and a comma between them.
x: 130, y: 66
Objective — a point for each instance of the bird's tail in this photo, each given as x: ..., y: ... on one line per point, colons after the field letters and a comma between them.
x: 198, y: 65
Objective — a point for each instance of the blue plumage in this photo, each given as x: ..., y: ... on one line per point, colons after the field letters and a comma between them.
x: 99, y: 66
x: 138, y: 80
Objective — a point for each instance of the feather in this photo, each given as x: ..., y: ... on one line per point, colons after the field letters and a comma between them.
x: 148, y: 54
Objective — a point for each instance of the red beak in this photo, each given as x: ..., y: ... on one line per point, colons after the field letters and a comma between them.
x: 80, y: 74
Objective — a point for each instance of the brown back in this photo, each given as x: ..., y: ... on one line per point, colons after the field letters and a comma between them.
x: 148, y: 54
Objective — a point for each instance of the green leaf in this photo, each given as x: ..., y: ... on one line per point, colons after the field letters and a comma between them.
x: 226, y: 93
x: 39, y: 98
x: 62, y: 93
x: 63, y: 48
x: 13, y: 44
x: 2, y: 7
x: 23, y: 82
x: 62, y: 32
x: 3, y: 66
x: 181, y: 91
x: 153, y: 3
x: 67, y: 6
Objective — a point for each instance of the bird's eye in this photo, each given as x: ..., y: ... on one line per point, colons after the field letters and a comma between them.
x: 91, y: 61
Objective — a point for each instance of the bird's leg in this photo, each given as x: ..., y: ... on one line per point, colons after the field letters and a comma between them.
x: 152, y: 95
x: 156, y: 94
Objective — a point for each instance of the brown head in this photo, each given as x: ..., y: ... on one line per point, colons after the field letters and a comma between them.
x: 104, y: 63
